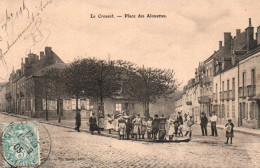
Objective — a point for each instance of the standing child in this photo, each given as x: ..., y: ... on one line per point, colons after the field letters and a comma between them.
x: 121, y: 127
x: 149, y: 127
x: 190, y: 123
x: 229, y: 131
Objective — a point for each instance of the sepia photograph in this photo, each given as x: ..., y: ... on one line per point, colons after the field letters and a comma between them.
x: 129, y: 84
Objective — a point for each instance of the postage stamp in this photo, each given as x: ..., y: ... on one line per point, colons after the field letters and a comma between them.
x: 20, y: 144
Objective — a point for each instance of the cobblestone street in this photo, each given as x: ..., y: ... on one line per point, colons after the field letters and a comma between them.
x: 73, y: 149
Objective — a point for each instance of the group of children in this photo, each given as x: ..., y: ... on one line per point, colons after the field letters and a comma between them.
x: 137, y: 126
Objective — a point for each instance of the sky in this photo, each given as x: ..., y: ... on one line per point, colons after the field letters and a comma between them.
x: 188, y: 35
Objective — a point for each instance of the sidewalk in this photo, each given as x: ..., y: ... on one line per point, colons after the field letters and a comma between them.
x: 71, y: 125
x: 249, y: 131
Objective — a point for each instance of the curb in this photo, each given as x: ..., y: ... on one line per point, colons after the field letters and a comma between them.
x: 59, y: 125
x: 240, y: 131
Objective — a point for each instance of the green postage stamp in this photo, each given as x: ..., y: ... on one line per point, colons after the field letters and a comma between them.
x: 20, y: 144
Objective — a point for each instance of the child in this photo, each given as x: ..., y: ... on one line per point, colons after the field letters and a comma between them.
x: 143, y: 127
x: 229, y: 131
x: 171, y: 130
x: 149, y: 127
x: 121, y: 127
x: 180, y: 130
x: 189, y: 125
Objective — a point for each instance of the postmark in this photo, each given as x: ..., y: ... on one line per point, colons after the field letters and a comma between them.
x: 21, y: 144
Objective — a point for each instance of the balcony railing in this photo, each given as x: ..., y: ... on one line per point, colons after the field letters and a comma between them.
x: 215, y: 97
x: 251, y: 90
x: 242, y: 92
x: 228, y: 95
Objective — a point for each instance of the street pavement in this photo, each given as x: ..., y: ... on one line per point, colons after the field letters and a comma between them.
x: 81, y: 149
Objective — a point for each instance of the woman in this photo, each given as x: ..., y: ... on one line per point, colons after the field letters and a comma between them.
x: 109, y: 123
x: 143, y: 127
x: 137, y: 126
x: 229, y: 131
x: 93, y: 124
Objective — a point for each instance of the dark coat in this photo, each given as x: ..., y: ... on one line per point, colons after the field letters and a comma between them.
x: 231, y: 133
x: 155, y: 125
x: 179, y: 119
x: 78, y: 119
x: 204, y: 121
x: 93, y: 124
x: 128, y: 127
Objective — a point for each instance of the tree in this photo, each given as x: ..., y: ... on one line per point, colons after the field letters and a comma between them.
x: 149, y: 84
x: 73, y: 77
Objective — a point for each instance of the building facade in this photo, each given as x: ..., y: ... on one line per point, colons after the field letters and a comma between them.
x: 229, y: 80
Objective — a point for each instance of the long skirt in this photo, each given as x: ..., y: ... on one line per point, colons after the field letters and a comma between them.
x: 94, y: 127
x: 137, y: 129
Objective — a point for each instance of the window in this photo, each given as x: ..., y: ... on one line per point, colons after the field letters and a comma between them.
x: 52, y: 104
x: 252, y: 111
x: 228, y: 110
x: 227, y: 84
x: 244, y: 79
x: 73, y: 104
x: 67, y: 104
x: 223, y: 85
x: 119, y: 107
x: 223, y: 111
x: 253, y: 80
x: 246, y: 110
x: 233, y: 110
x: 84, y: 104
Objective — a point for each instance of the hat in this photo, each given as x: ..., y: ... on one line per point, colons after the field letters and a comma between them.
x: 138, y: 115
x: 213, y: 112
x: 229, y: 119
x: 155, y: 115
x: 190, y: 116
x: 126, y: 117
x: 202, y: 113
x: 179, y: 112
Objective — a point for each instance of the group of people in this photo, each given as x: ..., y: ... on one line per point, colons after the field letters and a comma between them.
x: 141, y: 127
x: 213, y: 120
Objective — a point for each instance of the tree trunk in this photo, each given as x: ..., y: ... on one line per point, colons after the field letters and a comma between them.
x: 46, y: 107
x: 59, y: 110
x: 147, y: 114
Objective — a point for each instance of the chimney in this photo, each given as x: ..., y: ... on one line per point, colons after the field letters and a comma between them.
x: 227, y: 39
x: 26, y: 60
x: 220, y: 44
x: 48, y: 51
x: 258, y: 35
x: 249, y: 35
x: 41, y: 55
x: 238, y: 31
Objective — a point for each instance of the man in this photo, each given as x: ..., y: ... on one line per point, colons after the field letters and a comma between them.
x: 78, y: 120
x: 179, y: 118
x: 155, y: 125
x: 203, y: 124
x: 213, y: 121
